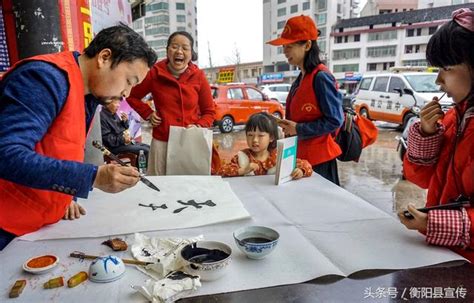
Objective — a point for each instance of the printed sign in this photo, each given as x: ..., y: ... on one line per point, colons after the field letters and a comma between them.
x: 226, y: 75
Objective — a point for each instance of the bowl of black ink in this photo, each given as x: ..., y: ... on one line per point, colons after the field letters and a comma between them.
x: 208, y: 259
x: 256, y: 242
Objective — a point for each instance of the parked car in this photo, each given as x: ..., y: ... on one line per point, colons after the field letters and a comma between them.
x: 381, y: 97
x: 235, y: 103
x: 277, y: 92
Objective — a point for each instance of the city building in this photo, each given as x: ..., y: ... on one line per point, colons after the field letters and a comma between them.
x: 155, y: 20
x: 375, y: 43
x: 244, y: 72
x: 275, y: 13
x: 380, y: 7
x: 435, y: 3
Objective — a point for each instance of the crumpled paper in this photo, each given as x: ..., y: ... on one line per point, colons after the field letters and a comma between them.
x: 174, y: 286
x: 166, y: 250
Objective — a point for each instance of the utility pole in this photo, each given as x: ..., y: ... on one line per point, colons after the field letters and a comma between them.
x: 209, y: 51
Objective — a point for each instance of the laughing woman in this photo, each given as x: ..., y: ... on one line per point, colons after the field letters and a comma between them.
x: 181, y: 95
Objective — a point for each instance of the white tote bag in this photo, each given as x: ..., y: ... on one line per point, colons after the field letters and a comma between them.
x: 189, y: 151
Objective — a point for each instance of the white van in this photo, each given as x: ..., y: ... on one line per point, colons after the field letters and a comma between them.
x: 381, y: 97
x: 277, y: 92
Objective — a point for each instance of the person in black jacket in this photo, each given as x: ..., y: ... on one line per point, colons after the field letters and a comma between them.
x: 115, y: 133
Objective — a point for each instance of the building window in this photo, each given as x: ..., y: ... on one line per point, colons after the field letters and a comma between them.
x: 389, y: 35
x: 157, y: 30
x: 410, y: 32
x: 322, y: 45
x: 432, y: 30
x: 338, y: 39
x: 180, y: 6
x: 357, y: 38
x: 408, y: 49
x: 371, y: 67
x: 346, y: 54
x: 181, y: 28
x: 418, y: 31
x: 346, y: 39
x: 157, y: 43
x: 305, y: 6
x: 156, y: 6
x: 322, y: 5
x: 381, y: 51
x: 415, y: 63
x: 281, y: 1
x: 283, y: 67
x: 138, y: 24
x: 181, y: 18
x: 346, y: 68
x: 281, y: 12
x: 323, y: 32
x: 281, y: 24
x: 339, y: 8
x: 321, y: 19
x: 294, y: 8
x: 279, y: 50
x: 157, y: 19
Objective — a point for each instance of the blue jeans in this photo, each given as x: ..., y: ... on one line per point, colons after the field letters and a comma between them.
x: 5, y: 238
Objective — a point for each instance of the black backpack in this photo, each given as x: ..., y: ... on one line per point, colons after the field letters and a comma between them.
x: 348, y: 137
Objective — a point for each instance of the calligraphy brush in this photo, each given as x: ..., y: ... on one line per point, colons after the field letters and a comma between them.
x: 107, y: 152
x: 82, y: 255
x: 453, y: 205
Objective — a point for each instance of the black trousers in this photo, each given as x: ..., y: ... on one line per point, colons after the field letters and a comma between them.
x: 328, y: 170
x: 5, y: 238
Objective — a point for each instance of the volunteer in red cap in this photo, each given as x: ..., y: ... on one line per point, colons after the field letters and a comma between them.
x: 313, y: 106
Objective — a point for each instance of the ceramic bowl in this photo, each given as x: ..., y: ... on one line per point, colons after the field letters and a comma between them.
x: 106, y: 269
x: 41, y: 264
x: 207, y: 259
x: 256, y: 242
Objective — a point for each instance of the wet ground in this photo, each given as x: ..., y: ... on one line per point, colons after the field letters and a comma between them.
x: 376, y: 177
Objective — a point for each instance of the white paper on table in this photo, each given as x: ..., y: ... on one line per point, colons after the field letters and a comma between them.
x: 121, y: 213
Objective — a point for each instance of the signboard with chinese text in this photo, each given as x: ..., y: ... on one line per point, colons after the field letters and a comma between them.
x: 226, y: 75
x: 271, y: 78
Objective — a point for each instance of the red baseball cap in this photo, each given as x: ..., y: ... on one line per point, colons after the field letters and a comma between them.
x: 298, y: 28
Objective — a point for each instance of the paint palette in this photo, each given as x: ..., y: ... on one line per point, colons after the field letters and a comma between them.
x: 41, y: 264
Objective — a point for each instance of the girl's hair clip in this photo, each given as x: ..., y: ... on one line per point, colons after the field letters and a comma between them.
x: 465, y: 18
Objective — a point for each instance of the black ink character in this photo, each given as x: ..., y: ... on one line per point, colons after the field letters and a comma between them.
x: 153, y: 206
x: 193, y: 203
x: 145, y: 253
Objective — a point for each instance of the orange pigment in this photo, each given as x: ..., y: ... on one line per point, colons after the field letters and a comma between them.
x: 42, y: 261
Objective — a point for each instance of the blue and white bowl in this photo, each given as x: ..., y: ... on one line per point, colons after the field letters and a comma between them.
x: 256, y: 242
x: 106, y: 269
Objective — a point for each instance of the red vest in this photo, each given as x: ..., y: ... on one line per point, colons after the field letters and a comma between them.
x: 304, y: 107
x: 24, y: 209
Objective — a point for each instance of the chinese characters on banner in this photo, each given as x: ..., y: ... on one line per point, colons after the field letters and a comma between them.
x: 226, y: 75
x: 76, y: 28
x: 4, y: 60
